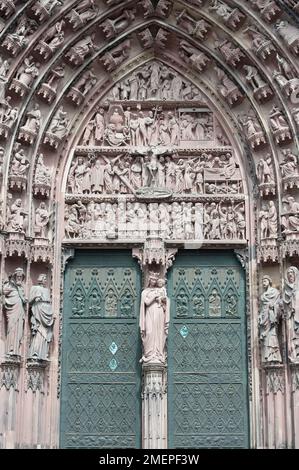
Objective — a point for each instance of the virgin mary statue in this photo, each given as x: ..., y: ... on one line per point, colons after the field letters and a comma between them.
x: 154, y: 320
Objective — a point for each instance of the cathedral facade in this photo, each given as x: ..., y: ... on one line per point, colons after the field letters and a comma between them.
x: 149, y: 224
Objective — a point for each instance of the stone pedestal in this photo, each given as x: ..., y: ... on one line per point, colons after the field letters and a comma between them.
x: 154, y: 406
x: 9, y: 391
x: 275, y: 409
x: 295, y: 402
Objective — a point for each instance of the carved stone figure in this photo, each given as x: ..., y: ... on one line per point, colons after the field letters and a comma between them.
x: 268, y: 8
x: 49, y: 88
x: 83, y: 13
x: 154, y: 320
x: 232, y: 17
x: 42, y: 217
x: 290, y: 34
x: 48, y: 5
x: 268, y: 320
x: 192, y: 56
x: 58, y: 127
x: 268, y: 221
x: 7, y: 7
x: 112, y: 27
x: 4, y: 67
x: 83, y: 87
x: 264, y: 170
x: 261, y: 45
x: 16, y: 219
x: 196, y: 28
x: 289, y: 170
x: 25, y: 76
x: 290, y: 218
x: 41, y: 320
x: 253, y: 130
x: 227, y: 88
x: 53, y: 39
x: 231, y: 54
x: 29, y: 131
x: 261, y: 89
x: 291, y: 311
x: 13, y: 42
x: 81, y: 50
x: 7, y: 118
x: 116, y: 56
x: 279, y: 125
x: 42, y: 172
x: 14, y: 310
x: 19, y: 170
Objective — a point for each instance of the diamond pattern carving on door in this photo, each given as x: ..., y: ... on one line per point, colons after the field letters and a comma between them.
x: 207, y: 376
x: 100, y: 404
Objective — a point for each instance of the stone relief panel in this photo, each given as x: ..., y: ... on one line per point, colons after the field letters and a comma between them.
x: 147, y: 168
x: 119, y: 126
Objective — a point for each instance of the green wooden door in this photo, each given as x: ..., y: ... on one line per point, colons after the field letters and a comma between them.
x: 207, y: 376
x: 100, y: 396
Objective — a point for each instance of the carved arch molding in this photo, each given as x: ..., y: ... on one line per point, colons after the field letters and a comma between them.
x: 185, y: 109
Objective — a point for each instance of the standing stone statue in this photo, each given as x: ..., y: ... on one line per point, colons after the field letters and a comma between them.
x: 14, y: 307
x: 154, y: 320
x: 291, y: 311
x: 268, y: 320
x: 42, y: 319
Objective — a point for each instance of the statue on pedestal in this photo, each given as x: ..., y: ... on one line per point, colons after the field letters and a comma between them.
x: 268, y: 320
x: 291, y: 311
x: 14, y: 307
x: 154, y: 320
x: 42, y: 319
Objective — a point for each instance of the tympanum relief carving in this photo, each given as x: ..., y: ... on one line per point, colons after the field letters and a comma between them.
x: 147, y: 168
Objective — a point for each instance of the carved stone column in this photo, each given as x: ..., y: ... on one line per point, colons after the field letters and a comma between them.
x: 295, y: 402
x: 275, y: 409
x: 154, y: 257
x: 9, y: 390
x: 154, y: 406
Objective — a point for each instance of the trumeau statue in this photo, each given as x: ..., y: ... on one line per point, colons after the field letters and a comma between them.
x: 269, y: 317
x: 14, y: 309
x: 41, y: 320
x: 291, y: 311
x: 154, y: 321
